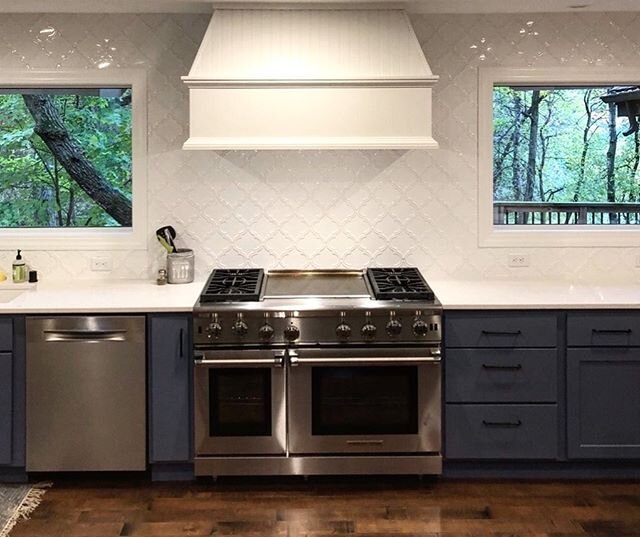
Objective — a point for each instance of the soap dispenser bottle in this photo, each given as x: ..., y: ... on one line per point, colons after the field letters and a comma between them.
x: 19, y: 269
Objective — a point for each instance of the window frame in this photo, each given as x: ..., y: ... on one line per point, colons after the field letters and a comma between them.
x: 490, y: 235
x: 133, y: 238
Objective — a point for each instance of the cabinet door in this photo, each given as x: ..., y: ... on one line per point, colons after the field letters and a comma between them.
x: 603, y: 403
x: 6, y: 407
x: 6, y: 334
x: 170, y: 367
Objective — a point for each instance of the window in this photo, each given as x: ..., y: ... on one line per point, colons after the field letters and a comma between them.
x: 559, y: 157
x: 72, y: 160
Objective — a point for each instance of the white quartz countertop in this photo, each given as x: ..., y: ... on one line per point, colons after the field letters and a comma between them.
x: 115, y: 296
x: 128, y: 296
x: 487, y: 294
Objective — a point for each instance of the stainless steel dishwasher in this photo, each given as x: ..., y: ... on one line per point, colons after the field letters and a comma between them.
x: 86, y: 400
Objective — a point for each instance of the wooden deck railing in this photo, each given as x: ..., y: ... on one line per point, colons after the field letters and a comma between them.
x: 547, y: 213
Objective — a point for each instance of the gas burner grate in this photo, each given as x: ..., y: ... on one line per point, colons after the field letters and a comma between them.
x: 400, y: 283
x: 226, y: 285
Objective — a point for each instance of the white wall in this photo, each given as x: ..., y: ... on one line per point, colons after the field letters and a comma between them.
x: 328, y: 209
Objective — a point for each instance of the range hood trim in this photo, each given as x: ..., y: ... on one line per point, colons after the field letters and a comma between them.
x: 426, y: 82
x: 308, y: 143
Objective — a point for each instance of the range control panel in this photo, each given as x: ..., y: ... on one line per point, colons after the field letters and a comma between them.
x: 340, y: 327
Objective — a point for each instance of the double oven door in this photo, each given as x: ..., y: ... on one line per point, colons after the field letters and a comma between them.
x: 317, y: 401
x: 240, y: 402
x: 360, y: 401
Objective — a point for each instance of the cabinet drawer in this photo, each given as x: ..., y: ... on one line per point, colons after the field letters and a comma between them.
x: 6, y: 334
x: 501, y: 329
x: 501, y: 432
x: 501, y: 376
x: 602, y: 329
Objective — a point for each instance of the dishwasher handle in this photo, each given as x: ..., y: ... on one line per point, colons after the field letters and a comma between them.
x: 68, y: 335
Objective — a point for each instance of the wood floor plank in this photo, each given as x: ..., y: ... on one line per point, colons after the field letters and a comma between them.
x: 337, y: 508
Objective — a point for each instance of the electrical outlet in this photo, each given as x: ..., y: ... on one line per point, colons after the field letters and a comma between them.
x: 518, y: 260
x: 638, y: 261
x: 101, y: 264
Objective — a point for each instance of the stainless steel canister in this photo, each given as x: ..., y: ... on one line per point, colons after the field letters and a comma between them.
x: 181, y: 266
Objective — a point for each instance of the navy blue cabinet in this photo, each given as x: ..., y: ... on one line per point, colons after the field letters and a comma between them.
x: 12, y: 383
x: 170, y: 380
x: 6, y: 390
x: 495, y: 329
x: 603, y: 329
x: 603, y: 403
x: 501, y: 376
x: 501, y: 386
x: 6, y: 407
x: 603, y: 385
x: 513, y: 431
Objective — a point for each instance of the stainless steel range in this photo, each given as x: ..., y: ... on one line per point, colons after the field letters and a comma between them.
x: 317, y: 372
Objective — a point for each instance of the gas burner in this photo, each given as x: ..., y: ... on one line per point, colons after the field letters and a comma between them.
x: 233, y: 284
x: 399, y: 283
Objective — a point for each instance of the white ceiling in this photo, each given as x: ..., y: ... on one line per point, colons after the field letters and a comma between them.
x: 418, y: 6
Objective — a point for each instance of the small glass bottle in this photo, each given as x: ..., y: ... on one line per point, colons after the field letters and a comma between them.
x: 19, y: 269
x: 162, y: 277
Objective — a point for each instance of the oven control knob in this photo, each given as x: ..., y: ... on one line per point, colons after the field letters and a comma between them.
x: 394, y: 327
x: 291, y: 332
x: 343, y: 331
x: 368, y: 331
x: 420, y: 328
x: 214, y: 330
x: 266, y: 332
x: 240, y: 328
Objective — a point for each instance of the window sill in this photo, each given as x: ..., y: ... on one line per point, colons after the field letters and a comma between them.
x: 73, y: 239
x: 558, y: 236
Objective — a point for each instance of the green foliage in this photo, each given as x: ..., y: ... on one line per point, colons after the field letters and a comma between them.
x: 572, y: 143
x: 35, y: 190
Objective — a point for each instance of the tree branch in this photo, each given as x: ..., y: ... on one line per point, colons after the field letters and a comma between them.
x: 50, y: 127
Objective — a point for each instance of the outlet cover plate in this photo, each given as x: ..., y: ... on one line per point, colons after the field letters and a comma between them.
x: 518, y: 260
x: 101, y: 264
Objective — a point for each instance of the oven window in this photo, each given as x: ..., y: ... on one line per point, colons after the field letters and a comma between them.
x: 240, y: 402
x: 364, y: 400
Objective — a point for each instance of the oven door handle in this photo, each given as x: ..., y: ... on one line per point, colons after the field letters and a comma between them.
x: 276, y: 361
x: 295, y: 360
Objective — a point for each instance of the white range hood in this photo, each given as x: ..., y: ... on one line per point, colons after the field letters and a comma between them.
x: 310, y: 79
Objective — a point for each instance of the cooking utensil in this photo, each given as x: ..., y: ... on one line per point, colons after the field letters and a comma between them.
x: 166, y: 236
x: 164, y: 244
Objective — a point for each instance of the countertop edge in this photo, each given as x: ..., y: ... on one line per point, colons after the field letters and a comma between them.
x: 143, y: 296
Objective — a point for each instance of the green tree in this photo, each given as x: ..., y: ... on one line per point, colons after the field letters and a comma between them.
x: 36, y: 190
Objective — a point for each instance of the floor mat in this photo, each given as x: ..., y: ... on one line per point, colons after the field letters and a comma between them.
x: 18, y: 501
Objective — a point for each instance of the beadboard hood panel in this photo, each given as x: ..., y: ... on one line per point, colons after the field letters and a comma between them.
x: 310, y: 79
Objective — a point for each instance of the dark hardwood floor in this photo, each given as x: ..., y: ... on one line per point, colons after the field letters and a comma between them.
x: 329, y: 507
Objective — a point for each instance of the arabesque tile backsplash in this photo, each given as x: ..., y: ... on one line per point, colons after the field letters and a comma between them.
x: 332, y: 208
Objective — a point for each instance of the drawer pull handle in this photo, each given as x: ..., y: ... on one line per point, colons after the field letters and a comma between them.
x: 502, y: 424
x: 501, y: 333
x: 598, y: 331
x: 502, y: 367
x: 365, y: 442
